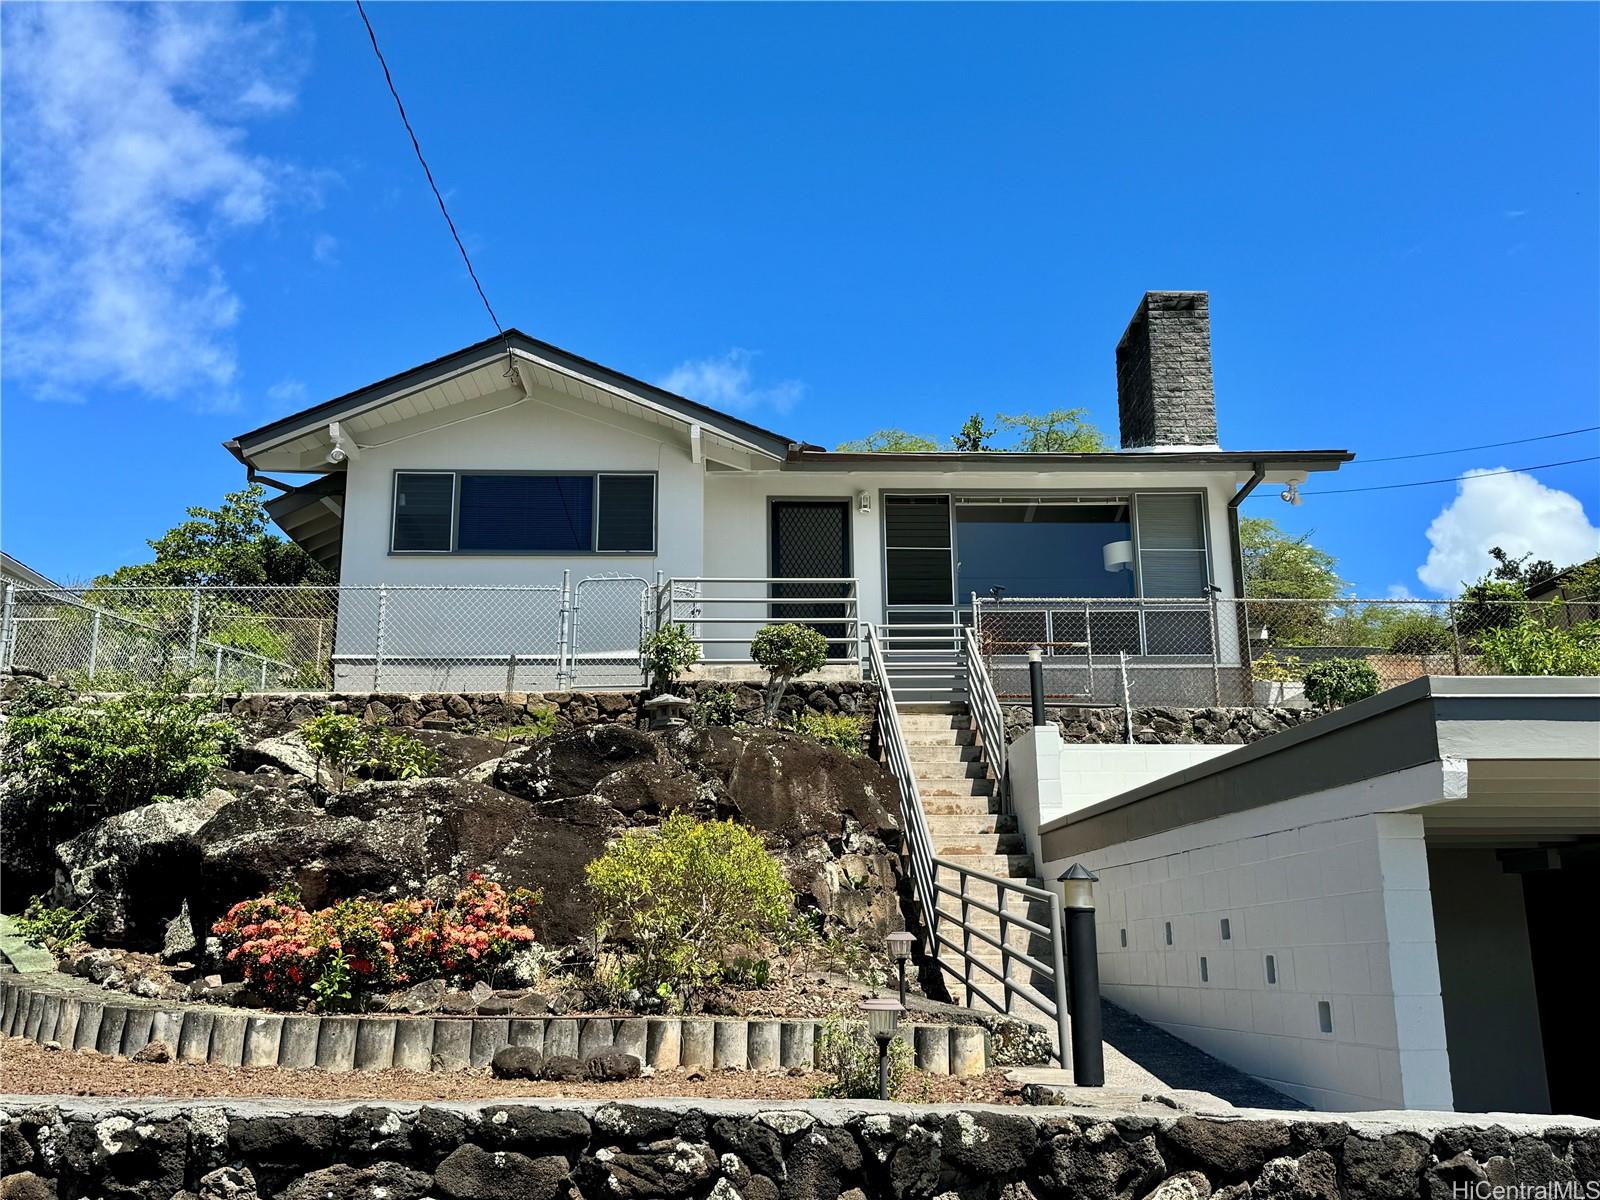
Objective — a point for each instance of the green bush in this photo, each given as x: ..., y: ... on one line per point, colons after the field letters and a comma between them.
x: 540, y: 724
x: 349, y: 747
x: 668, y: 652
x: 848, y: 1054
x: 398, y: 756
x: 1418, y: 633
x: 338, y: 740
x: 78, y: 762
x: 1335, y: 682
x: 842, y: 731
x: 1488, y: 605
x: 716, y: 706
x: 683, y: 898
x: 52, y: 928
x: 1531, y: 647
x: 1272, y: 669
x: 786, y: 651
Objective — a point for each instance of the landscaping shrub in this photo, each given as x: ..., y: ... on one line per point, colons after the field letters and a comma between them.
x: 349, y: 747
x: 716, y: 706
x: 683, y: 898
x: 338, y: 956
x: 52, y: 928
x: 1418, y: 633
x: 1335, y: 682
x: 848, y: 1054
x: 541, y: 723
x: 1272, y: 669
x: 786, y: 651
x: 1532, y: 647
x: 75, y: 762
x: 842, y: 731
x: 668, y: 652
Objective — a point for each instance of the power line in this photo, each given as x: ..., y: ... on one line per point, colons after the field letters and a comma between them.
x: 1543, y: 437
x: 415, y: 145
x: 1387, y: 487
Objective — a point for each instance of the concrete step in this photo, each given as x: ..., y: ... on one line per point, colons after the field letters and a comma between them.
x: 1007, y: 866
x: 931, y: 772
x: 923, y: 752
x: 938, y: 737
x: 954, y: 802
x: 964, y: 826
x: 957, y: 845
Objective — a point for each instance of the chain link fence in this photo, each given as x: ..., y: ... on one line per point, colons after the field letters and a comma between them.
x: 1227, y: 652
x: 340, y: 638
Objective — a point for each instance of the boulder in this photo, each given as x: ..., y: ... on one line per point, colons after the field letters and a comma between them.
x: 571, y: 765
x: 517, y: 1062
x: 611, y: 1066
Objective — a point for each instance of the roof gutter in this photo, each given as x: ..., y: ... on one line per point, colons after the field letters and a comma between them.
x: 1235, y: 546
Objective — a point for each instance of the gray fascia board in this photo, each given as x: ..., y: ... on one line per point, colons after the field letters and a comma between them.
x: 375, y: 394
x: 998, y: 460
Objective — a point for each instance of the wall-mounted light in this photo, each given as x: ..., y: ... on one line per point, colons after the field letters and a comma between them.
x: 1291, y: 494
x: 864, y: 501
x: 1117, y: 556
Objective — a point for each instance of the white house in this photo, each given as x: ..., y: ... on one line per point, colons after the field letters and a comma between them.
x: 538, y: 481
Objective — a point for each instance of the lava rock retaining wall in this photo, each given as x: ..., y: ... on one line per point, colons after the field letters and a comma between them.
x: 467, y: 712
x: 84, y: 1019
x: 1162, y: 726
x: 745, y: 1151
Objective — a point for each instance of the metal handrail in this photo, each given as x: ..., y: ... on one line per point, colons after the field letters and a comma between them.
x: 990, y: 716
x: 925, y: 869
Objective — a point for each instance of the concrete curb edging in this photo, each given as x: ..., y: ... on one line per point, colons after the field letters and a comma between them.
x: 41, y: 1012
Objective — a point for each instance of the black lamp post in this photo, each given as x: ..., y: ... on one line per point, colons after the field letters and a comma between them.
x: 1083, y: 975
x: 900, y: 944
x: 1036, y: 684
x: 883, y: 1018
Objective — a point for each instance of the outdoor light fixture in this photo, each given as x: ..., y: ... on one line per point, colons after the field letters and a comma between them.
x: 1291, y: 494
x: 1083, y: 975
x: 1117, y: 556
x: 864, y: 501
x: 1036, y: 685
x: 666, y: 712
x: 337, y: 455
x: 883, y: 1018
x: 900, y: 943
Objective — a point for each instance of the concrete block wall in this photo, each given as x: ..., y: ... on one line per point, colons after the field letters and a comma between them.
x: 1336, y: 897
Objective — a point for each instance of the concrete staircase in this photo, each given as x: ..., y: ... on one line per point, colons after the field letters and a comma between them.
x: 966, y: 826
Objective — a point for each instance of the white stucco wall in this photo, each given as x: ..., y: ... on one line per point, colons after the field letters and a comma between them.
x: 1337, y: 894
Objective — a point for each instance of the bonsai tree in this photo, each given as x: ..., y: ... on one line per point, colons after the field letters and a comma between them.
x: 668, y: 652
x: 786, y: 651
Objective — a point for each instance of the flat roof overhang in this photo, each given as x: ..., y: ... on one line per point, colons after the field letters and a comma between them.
x: 1277, y: 461
x: 1461, y: 724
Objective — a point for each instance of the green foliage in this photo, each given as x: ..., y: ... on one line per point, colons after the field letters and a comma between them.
x: 35, y: 698
x: 683, y: 898
x: 1582, y: 582
x: 257, y: 634
x: 1335, y: 682
x: 227, y: 545
x: 1284, y: 569
x: 53, y: 928
x: 78, y: 762
x: 1272, y: 669
x: 974, y: 435
x: 541, y: 723
x: 1413, y: 632
x: 786, y: 651
x: 1519, y: 570
x: 668, y: 652
x: 1058, y: 431
x: 348, y: 746
x: 716, y: 706
x: 889, y: 441
x: 1531, y: 646
x: 1488, y: 605
x: 848, y: 1054
x: 746, y: 971
x: 842, y: 731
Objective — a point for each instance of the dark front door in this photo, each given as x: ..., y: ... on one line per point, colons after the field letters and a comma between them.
x: 811, y: 542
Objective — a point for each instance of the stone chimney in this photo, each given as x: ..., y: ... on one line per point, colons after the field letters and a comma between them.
x: 1164, y: 394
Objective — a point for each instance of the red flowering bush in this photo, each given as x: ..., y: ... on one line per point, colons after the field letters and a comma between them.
x: 339, y: 954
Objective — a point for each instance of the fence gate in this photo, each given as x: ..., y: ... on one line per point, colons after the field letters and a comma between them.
x: 611, y: 615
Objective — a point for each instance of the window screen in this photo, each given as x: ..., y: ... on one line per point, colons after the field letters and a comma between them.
x: 526, y: 514
x: 917, y: 549
x: 422, y: 510
x: 627, y: 513
x: 1172, y: 545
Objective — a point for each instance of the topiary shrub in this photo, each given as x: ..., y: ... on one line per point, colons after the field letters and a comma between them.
x: 683, y: 898
x: 1532, y: 647
x: 848, y: 1055
x: 1335, y: 682
x: 786, y: 651
x: 668, y: 653
x: 839, y: 730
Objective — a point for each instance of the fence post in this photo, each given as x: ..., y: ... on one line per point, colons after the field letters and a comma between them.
x: 511, y: 673
x: 563, y: 643
x: 194, y: 627
x: 8, y: 622
x: 1088, y: 649
x: 1216, y: 654
x: 263, y: 685
x: 1455, y: 635
x: 94, y: 644
x: 216, y: 673
x: 1127, y: 704
x: 377, y: 652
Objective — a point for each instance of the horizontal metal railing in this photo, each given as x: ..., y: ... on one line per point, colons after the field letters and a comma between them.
x: 722, y: 613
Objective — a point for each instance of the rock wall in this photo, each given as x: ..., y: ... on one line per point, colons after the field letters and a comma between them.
x: 470, y: 712
x: 1163, y: 726
x: 729, y: 1150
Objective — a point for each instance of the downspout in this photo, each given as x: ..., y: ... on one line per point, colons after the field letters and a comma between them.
x: 1234, y: 544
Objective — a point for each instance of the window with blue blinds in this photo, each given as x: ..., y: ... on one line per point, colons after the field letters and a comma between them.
x: 524, y: 513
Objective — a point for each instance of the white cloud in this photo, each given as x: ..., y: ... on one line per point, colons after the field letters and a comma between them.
x: 727, y: 382
x: 125, y: 171
x: 325, y: 249
x: 287, y: 392
x: 1515, y: 512
x: 1399, y: 591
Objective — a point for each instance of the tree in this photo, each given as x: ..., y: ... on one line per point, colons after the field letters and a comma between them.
x: 890, y: 441
x: 974, y: 436
x: 1519, y: 570
x: 1059, y: 431
x: 1280, y: 568
x: 224, y: 546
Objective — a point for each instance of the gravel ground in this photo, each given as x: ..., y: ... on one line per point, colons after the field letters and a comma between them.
x: 28, y: 1069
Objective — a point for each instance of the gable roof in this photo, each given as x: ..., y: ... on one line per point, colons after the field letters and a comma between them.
x: 529, y: 353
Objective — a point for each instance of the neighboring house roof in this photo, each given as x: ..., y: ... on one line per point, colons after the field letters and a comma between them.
x: 1555, y: 585
x: 478, y: 370
x: 16, y: 572
x: 313, y: 516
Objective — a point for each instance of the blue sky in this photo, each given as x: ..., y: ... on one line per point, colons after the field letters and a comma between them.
x: 830, y: 218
